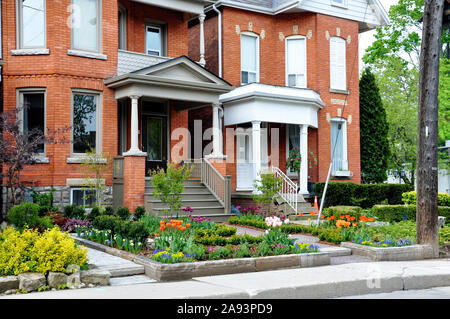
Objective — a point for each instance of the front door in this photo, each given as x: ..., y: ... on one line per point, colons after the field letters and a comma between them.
x: 154, y: 141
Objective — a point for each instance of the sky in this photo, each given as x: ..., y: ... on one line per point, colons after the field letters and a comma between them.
x: 367, y: 38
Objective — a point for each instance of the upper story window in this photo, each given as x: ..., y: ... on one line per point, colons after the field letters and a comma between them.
x: 155, y: 39
x: 339, y: 3
x: 339, y: 145
x: 249, y: 58
x: 338, y: 76
x: 86, y: 25
x: 296, y: 62
x: 122, y: 28
x: 31, y: 24
x: 32, y: 102
x: 85, y: 122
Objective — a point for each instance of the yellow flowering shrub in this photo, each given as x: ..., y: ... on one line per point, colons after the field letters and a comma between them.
x: 31, y: 251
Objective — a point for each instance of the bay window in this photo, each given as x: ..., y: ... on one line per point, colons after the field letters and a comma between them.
x: 31, y: 24
x: 86, y: 25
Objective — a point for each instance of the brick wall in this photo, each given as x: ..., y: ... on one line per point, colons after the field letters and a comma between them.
x: 317, y: 28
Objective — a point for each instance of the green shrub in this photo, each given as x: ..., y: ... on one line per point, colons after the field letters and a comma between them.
x: 27, y: 214
x: 332, y: 235
x: 363, y: 195
x: 95, y: 212
x: 108, y: 211
x: 396, y: 213
x: 219, y: 253
x: 139, y: 212
x: 410, y: 198
x: 74, y: 211
x: 136, y: 231
x: 123, y: 213
x: 355, y: 211
x: 224, y: 230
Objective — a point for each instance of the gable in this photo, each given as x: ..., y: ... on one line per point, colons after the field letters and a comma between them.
x: 181, y: 72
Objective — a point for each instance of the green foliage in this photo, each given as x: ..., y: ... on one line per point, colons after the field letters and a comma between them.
x: 294, y: 160
x: 275, y: 236
x: 342, y: 210
x: 364, y: 195
x: 224, y: 230
x: 133, y: 230
x: 169, y: 184
x: 397, y: 213
x: 27, y: 214
x: 410, y: 198
x: 139, y: 212
x: 95, y: 212
x: 219, y: 253
x: 151, y: 223
x: 45, y: 201
x: 373, y: 131
x: 74, y: 211
x: 123, y: 213
x: 109, y: 211
x: 267, y: 187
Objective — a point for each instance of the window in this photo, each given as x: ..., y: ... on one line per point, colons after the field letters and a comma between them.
x: 85, y: 122
x: 33, y: 112
x: 249, y: 58
x: 122, y: 28
x: 293, y: 141
x: 338, y: 77
x: 31, y: 23
x: 154, y: 38
x: 86, y: 20
x: 339, y: 145
x: 83, y: 197
x: 339, y: 3
x: 296, y: 62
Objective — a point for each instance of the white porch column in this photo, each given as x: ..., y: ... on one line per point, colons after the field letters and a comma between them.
x: 304, y: 164
x: 201, y: 18
x: 216, y: 131
x: 134, y: 149
x: 256, y: 149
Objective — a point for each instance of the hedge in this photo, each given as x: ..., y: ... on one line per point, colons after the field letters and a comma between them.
x: 363, y: 195
x: 410, y: 198
x: 128, y: 229
x: 396, y: 213
x: 339, y: 210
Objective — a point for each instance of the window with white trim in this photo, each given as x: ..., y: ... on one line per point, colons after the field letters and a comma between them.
x: 31, y: 24
x: 122, y: 28
x: 339, y: 145
x: 155, y: 40
x: 32, y: 102
x: 339, y: 3
x: 86, y: 25
x: 296, y: 62
x: 338, y: 74
x: 249, y: 58
x: 83, y: 197
x: 86, y: 118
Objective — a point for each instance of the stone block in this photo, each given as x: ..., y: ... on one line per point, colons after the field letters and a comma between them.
x: 8, y: 283
x: 274, y: 262
x: 31, y: 281
x: 74, y: 280
x: 98, y: 277
x: 71, y: 269
x: 314, y: 259
x: 54, y: 279
x: 226, y: 266
x: 412, y: 252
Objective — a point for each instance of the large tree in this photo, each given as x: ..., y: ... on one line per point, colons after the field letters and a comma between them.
x: 373, y: 130
x: 394, y: 57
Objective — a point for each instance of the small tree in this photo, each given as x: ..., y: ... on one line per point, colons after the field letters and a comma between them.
x: 267, y: 187
x: 374, y: 131
x: 95, y: 166
x: 169, y: 185
x: 19, y: 148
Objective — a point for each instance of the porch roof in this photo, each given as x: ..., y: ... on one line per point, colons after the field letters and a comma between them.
x: 269, y: 103
x: 188, y: 6
x: 179, y: 79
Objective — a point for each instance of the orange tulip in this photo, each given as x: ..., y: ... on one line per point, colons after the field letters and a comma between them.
x: 300, y: 214
x: 355, y: 224
x: 332, y: 217
x: 168, y: 224
x: 156, y: 235
x: 371, y: 219
x: 322, y: 216
x: 328, y: 218
x: 174, y: 225
x: 188, y: 225
x: 183, y: 228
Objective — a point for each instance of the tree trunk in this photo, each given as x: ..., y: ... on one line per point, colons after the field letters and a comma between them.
x: 427, y: 164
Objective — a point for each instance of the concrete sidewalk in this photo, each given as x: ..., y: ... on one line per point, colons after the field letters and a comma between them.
x: 319, y: 282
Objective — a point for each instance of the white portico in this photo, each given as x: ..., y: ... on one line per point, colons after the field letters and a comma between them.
x: 251, y: 107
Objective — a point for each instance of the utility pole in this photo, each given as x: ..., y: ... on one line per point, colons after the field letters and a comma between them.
x: 427, y: 153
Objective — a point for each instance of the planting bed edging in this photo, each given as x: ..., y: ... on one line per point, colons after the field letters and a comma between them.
x: 412, y: 252
x: 184, y: 271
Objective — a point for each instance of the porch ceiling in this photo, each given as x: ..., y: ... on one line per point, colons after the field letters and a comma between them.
x: 274, y: 104
x: 180, y: 79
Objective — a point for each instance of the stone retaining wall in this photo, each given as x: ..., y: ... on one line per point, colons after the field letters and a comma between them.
x: 184, y: 271
x: 412, y: 252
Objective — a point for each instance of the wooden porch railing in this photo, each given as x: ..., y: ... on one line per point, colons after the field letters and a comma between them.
x: 288, y: 188
x: 219, y: 185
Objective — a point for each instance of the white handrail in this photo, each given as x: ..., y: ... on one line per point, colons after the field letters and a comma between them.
x: 219, y: 185
x: 288, y: 188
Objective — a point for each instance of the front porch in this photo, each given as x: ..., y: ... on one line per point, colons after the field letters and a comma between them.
x: 155, y: 106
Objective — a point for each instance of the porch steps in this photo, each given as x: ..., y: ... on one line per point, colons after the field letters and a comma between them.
x: 195, y: 196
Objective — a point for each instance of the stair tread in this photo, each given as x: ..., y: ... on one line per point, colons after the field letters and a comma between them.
x: 194, y: 208
x: 187, y: 200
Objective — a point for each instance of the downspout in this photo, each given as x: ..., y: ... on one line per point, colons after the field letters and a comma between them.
x: 219, y: 16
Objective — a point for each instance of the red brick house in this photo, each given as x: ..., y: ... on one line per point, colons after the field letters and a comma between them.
x: 142, y: 81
